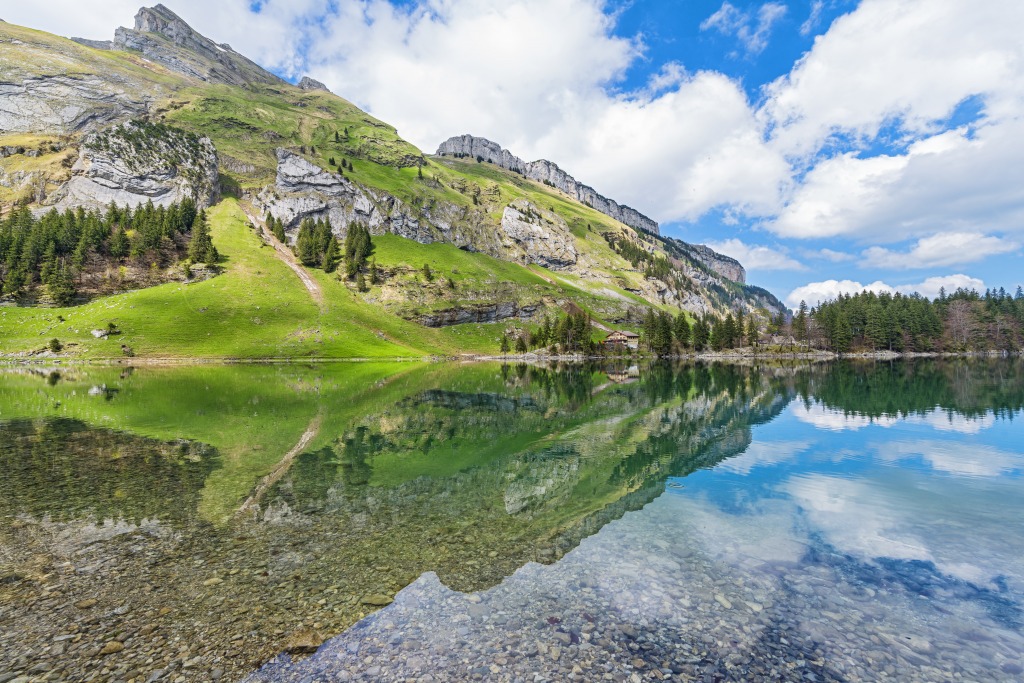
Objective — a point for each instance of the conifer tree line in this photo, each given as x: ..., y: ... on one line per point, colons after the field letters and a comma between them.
x: 56, y: 249
x: 667, y: 335
x: 568, y: 334
x: 962, y: 321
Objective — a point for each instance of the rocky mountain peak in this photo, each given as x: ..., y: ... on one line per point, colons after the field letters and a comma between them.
x: 308, y: 83
x: 164, y: 37
x: 159, y: 19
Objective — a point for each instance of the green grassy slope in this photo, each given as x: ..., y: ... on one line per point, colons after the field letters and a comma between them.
x: 257, y: 308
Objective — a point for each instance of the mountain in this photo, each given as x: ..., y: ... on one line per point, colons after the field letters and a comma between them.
x: 471, y: 242
x: 548, y: 173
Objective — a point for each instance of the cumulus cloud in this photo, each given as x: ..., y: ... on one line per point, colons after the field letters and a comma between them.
x: 540, y: 77
x: 757, y: 257
x: 944, y: 249
x: 897, y: 62
x: 752, y: 29
x: 893, y: 72
x: 545, y: 78
x: 816, y: 292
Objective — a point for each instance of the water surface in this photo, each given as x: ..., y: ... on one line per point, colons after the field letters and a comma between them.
x: 844, y: 522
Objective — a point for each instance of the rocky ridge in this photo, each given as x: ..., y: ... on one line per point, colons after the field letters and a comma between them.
x: 163, y: 37
x: 548, y: 173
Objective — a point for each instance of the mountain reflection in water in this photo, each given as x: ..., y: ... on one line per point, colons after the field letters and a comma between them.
x: 467, y: 473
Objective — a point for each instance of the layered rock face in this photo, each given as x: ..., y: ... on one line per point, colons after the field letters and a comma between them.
x: 720, y: 263
x: 546, y: 172
x: 163, y: 37
x: 134, y: 163
x: 64, y: 104
x: 541, y: 236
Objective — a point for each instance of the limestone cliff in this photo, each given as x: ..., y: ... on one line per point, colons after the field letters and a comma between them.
x: 536, y: 236
x: 137, y: 162
x: 43, y: 88
x: 720, y: 263
x: 546, y: 172
x: 163, y: 37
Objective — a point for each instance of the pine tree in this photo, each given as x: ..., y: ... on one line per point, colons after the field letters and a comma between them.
x: 752, y: 334
x: 681, y: 330
x: 305, y: 244
x: 62, y: 286
x: 330, y: 255
x: 505, y: 346
x: 200, y: 247
x: 800, y: 326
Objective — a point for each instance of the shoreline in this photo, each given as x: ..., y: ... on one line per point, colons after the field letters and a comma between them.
x: 734, y: 355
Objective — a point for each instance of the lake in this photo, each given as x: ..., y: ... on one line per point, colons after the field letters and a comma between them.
x: 834, y: 522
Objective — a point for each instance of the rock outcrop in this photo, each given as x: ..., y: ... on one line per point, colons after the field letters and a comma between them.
x: 542, y: 237
x: 65, y: 104
x: 546, y: 172
x: 135, y: 163
x: 308, y: 83
x: 163, y: 37
x: 482, y: 313
x: 719, y: 263
x: 304, y: 190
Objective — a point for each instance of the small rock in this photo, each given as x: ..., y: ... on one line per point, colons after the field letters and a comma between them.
x: 113, y: 647
x: 723, y: 601
x: 213, y: 582
x: 376, y: 600
x: 303, y: 641
x: 86, y: 604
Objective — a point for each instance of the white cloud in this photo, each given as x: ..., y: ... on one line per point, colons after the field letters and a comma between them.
x: 955, y: 181
x: 894, y: 71
x: 682, y: 145
x: 835, y: 420
x: 756, y: 257
x: 897, y: 60
x: 832, y: 255
x: 816, y: 292
x: 953, y: 458
x: 544, y: 78
x: 848, y: 515
x: 812, y: 20
x: 763, y: 454
x: 753, y: 30
x: 944, y: 249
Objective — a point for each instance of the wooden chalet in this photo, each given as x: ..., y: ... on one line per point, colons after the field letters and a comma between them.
x: 631, y: 340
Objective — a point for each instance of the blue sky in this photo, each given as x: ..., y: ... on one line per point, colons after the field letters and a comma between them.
x: 830, y: 145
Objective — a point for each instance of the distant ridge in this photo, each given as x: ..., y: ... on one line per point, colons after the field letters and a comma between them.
x: 546, y: 172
